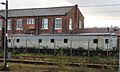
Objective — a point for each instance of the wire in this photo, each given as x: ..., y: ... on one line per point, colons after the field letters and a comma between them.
x: 104, y: 12
x: 100, y: 5
x: 107, y: 12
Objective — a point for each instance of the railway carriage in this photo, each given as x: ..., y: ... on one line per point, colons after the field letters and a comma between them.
x: 92, y: 41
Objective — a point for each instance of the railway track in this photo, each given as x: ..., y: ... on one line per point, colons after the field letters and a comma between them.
x: 91, y: 65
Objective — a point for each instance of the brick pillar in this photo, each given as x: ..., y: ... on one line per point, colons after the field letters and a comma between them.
x: 76, y: 17
x: 36, y: 26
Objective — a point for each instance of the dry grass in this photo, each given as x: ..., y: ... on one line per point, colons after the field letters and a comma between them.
x: 17, y: 67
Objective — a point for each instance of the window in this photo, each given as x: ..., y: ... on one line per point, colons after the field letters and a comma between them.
x: 106, y: 41
x: 19, y: 25
x: 1, y: 23
x: 95, y: 41
x: 52, y: 40
x: 44, y: 23
x: 9, y: 26
x: 9, y: 40
x: 65, y: 40
x: 40, y: 40
x: 80, y: 24
x: 17, y: 40
x: 58, y: 23
x: 30, y: 21
x: 70, y: 23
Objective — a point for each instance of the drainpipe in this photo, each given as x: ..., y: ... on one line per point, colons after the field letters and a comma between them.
x: 53, y: 25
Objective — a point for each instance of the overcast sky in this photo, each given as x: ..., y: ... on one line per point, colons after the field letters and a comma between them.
x: 103, y: 16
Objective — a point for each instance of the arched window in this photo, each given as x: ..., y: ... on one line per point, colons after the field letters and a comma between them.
x: 9, y: 26
x: 70, y: 23
x: 1, y: 23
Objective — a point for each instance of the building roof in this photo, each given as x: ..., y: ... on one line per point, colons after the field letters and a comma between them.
x: 37, y: 11
x: 79, y: 34
x: 101, y: 30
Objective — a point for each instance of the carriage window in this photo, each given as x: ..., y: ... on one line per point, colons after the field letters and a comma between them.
x: 17, y: 40
x: 65, y: 40
x: 9, y: 40
x: 106, y: 41
x: 52, y: 40
x: 40, y: 40
x: 95, y: 41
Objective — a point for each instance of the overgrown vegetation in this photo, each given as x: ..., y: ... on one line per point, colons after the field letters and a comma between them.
x: 62, y: 59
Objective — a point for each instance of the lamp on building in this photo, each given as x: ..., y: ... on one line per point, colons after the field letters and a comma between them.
x: 4, y: 29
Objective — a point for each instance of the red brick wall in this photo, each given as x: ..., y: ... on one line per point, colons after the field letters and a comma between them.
x: 74, y: 13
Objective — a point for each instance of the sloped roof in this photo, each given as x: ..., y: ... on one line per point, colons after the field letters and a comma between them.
x: 37, y: 11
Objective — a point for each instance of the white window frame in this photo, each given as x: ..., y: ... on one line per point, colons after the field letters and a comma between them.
x: 45, y: 21
x: 80, y: 24
x: 1, y: 24
x: 70, y: 23
x: 31, y: 21
x: 9, y: 25
x: 58, y: 24
x: 19, y: 24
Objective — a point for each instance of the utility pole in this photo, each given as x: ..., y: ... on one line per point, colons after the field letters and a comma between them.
x: 119, y: 52
x: 5, y: 36
x: 5, y: 33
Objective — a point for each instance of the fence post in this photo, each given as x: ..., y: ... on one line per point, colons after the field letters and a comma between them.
x: 70, y: 48
x: 88, y: 49
x: 107, y: 50
x: 26, y: 47
x: 54, y: 48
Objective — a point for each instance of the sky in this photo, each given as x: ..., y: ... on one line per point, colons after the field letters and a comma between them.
x: 95, y: 16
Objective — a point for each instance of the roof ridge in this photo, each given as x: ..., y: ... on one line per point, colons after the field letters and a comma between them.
x: 41, y: 8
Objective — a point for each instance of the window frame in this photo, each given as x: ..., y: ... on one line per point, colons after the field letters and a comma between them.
x: 52, y: 40
x: 80, y: 24
x: 70, y: 23
x: 45, y: 24
x: 17, y: 40
x: 95, y: 41
x: 9, y: 40
x: 1, y: 24
x: 65, y: 40
x: 30, y: 21
x: 9, y: 25
x: 106, y: 41
x: 40, y: 40
x: 19, y: 24
x: 58, y: 25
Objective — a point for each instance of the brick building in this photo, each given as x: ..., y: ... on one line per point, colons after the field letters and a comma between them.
x: 65, y: 19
